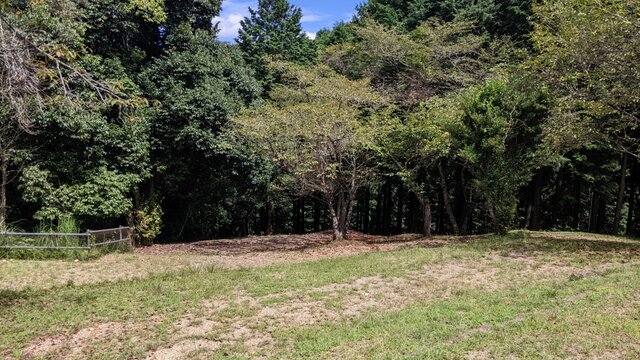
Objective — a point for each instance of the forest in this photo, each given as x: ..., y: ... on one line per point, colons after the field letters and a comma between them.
x: 420, y: 116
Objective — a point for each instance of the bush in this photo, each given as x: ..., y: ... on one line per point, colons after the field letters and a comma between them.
x: 148, y: 223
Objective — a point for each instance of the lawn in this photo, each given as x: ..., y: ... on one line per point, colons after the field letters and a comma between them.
x: 526, y: 295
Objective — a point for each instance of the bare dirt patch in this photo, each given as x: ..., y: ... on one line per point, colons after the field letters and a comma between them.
x: 216, y: 324
x: 248, y: 252
x: 279, y: 243
x: 72, y: 346
x: 348, y: 301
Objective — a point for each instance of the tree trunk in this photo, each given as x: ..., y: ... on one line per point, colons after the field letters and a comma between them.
x: 294, y: 216
x: 316, y: 215
x: 269, y: 217
x: 400, y: 213
x: 593, y: 213
x: 426, y: 227
x: 527, y: 219
x: 447, y: 200
x: 632, y: 198
x: 602, y: 216
x: 301, y: 217
x: 427, y: 216
x: 557, y: 199
x: 387, y: 208
x: 348, y: 209
x: 335, y: 222
x: 4, y: 181
x: 536, y: 201
x: 378, y: 215
x: 462, y: 209
x: 340, y: 215
x: 366, y: 211
x: 577, y: 206
x: 622, y: 187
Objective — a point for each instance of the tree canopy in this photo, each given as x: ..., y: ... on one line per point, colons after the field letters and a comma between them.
x: 432, y: 116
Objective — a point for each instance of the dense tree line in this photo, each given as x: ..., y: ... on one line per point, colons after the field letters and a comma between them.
x: 432, y: 116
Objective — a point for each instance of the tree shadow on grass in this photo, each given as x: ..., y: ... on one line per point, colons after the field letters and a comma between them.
x: 523, y: 243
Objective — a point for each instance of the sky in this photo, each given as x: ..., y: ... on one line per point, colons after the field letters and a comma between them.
x: 317, y: 14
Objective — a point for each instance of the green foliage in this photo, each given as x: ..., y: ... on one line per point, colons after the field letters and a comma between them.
x: 589, y: 52
x: 341, y: 33
x: 412, y: 148
x: 433, y: 60
x: 317, y: 110
x: 109, y: 105
x: 320, y: 129
x: 103, y: 195
x: 64, y: 223
x: 148, y: 223
x: 208, y: 181
x: 499, y: 140
x: 273, y: 32
x: 494, y: 17
x: 196, y: 13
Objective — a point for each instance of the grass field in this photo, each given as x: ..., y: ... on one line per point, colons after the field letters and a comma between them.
x: 526, y: 295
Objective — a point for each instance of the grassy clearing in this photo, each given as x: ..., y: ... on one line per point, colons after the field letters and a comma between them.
x: 524, y: 295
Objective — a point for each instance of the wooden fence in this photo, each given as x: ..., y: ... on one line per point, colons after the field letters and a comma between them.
x: 88, y: 240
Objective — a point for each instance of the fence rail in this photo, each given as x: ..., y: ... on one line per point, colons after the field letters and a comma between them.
x: 88, y: 240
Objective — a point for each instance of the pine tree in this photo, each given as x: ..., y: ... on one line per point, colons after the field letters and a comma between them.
x: 273, y: 31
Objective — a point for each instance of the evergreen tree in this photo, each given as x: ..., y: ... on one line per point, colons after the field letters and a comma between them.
x: 493, y: 17
x: 273, y: 31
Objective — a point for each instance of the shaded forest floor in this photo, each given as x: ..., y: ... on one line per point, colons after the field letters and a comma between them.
x: 557, y: 295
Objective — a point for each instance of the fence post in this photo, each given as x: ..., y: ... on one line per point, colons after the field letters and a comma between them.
x: 132, y: 235
x: 89, y: 242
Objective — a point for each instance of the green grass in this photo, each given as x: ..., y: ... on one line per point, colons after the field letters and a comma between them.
x: 63, y: 225
x: 591, y: 311
x: 532, y: 322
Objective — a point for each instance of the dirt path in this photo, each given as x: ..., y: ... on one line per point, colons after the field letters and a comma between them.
x: 227, y: 253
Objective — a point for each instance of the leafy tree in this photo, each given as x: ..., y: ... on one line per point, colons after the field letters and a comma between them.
x: 341, y: 33
x: 206, y: 181
x: 493, y: 17
x: 433, y: 60
x: 414, y: 149
x: 390, y: 13
x: 320, y: 130
x: 196, y: 13
x: 273, y: 31
x: 589, y: 53
x: 46, y: 67
x: 499, y: 140
x: 126, y: 30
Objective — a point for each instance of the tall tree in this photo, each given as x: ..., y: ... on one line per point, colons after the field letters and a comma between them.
x: 320, y: 130
x: 273, y: 32
x: 45, y: 68
x: 499, y: 141
x: 433, y: 60
x: 206, y: 181
x: 493, y: 17
x: 589, y: 51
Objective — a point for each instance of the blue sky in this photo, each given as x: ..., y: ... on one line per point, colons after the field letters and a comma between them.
x: 316, y: 14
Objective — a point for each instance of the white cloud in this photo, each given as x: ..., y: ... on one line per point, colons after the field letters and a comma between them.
x: 311, y: 35
x: 233, y: 13
x: 308, y: 17
x: 228, y: 25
